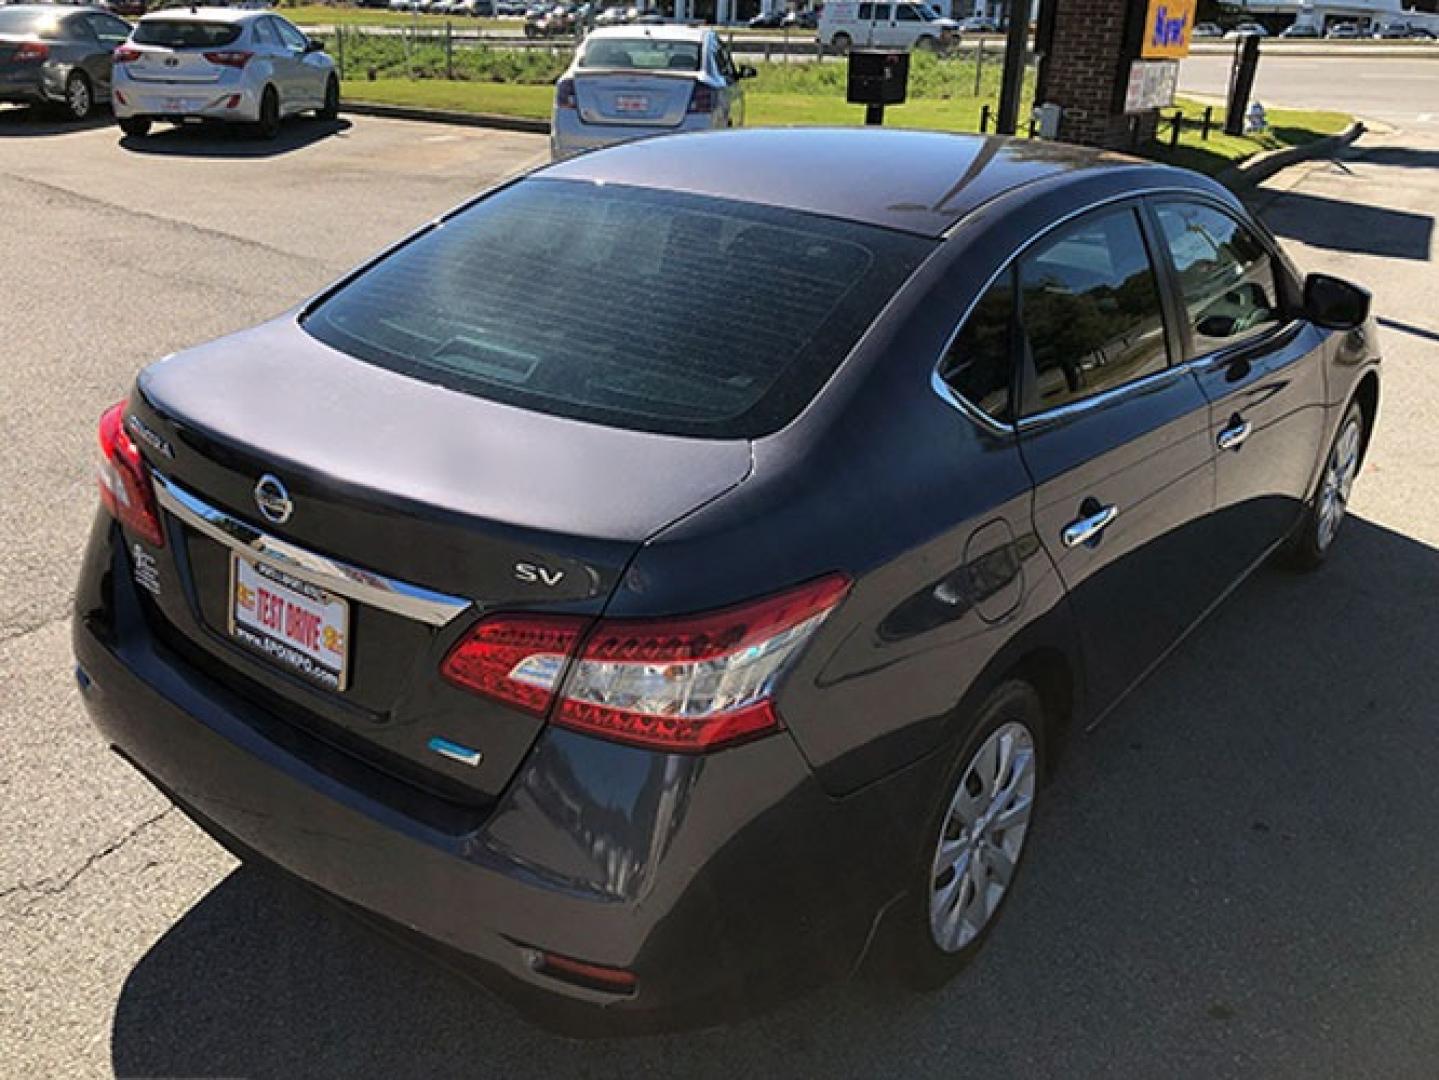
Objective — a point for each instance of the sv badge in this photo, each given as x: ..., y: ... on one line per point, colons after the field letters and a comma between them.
x: 535, y: 574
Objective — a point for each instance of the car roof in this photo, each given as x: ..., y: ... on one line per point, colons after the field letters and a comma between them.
x: 206, y: 14
x: 658, y: 31
x: 916, y: 181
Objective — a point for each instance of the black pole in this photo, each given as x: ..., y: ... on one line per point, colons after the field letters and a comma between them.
x: 984, y: 119
x: 1243, y: 85
x: 874, y: 115
x: 1016, y: 53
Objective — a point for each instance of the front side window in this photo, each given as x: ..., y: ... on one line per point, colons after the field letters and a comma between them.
x: 1225, y: 275
x: 264, y: 33
x: 109, y: 29
x: 631, y: 307
x: 905, y: 13
x: 1091, y: 310
x: 979, y: 366
x: 291, y: 37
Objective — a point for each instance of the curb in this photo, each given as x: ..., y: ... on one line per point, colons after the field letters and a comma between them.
x: 1261, y: 167
x: 447, y: 116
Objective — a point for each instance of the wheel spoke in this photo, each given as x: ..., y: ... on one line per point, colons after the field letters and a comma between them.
x: 1013, y: 815
x: 999, y: 866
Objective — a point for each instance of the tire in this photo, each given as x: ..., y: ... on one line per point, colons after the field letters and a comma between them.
x: 331, y: 109
x: 927, y: 44
x: 841, y: 43
x: 79, y: 97
x: 268, y: 126
x: 137, y: 127
x: 1310, y: 546
x: 940, y: 928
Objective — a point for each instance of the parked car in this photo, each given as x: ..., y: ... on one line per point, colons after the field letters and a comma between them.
x: 1422, y: 33
x: 800, y: 20
x: 126, y: 9
x: 978, y: 24
x: 771, y: 20
x: 610, y: 16
x: 1344, y: 32
x: 1301, y: 30
x: 558, y: 21
x: 1005, y: 425
x: 1249, y: 29
x: 1208, y: 30
x: 1392, y: 32
x: 224, y: 64
x: 844, y: 24
x: 626, y: 84
x: 58, y: 56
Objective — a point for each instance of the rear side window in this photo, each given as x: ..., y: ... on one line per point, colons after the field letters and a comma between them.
x: 181, y: 34
x: 642, y: 55
x: 979, y: 366
x: 640, y: 309
x: 866, y: 13
x: 1091, y: 310
x: 1225, y: 273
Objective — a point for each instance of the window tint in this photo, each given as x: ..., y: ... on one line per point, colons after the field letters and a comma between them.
x: 179, y: 34
x: 979, y: 366
x: 109, y: 29
x: 905, y: 13
x: 1225, y: 274
x: 263, y: 33
x: 289, y: 35
x: 883, y: 13
x: 78, y: 28
x: 631, y: 307
x: 1092, y: 318
x: 642, y: 54
x: 866, y: 12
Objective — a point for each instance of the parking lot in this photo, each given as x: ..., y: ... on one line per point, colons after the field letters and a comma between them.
x: 1234, y: 875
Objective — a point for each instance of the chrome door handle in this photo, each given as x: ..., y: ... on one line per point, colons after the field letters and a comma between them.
x: 1088, y: 529
x: 1232, y: 437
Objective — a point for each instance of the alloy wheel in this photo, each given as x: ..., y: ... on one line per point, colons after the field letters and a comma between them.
x: 1339, y: 475
x: 982, y: 836
x: 77, y: 98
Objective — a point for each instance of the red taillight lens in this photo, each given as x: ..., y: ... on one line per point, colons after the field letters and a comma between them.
x: 693, y: 683
x: 125, y: 487
x: 30, y: 52
x: 516, y: 659
x: 124, y: 54
x: 583, y: 973
x: 235, y: 58
x: 565, y: 94
x: 702, y: 100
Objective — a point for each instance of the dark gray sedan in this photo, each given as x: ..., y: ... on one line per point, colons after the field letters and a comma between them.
x: 58, y: 56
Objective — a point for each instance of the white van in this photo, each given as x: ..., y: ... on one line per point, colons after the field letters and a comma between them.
x: 846, y: 24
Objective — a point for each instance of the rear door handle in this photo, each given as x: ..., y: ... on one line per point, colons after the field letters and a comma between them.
x: 1232, y: 437
x: 1087, y: 530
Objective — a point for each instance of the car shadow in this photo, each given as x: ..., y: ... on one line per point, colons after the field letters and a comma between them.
x: 215, y: 140
x: 27, y: 121
x: 1234, y: 872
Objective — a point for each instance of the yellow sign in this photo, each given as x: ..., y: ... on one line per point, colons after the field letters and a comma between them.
x: 1168, y: 28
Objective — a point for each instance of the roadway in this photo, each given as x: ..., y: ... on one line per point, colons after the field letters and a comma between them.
x: 1234, y: 876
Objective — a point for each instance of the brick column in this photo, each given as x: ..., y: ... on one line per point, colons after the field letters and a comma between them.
x: 1087, y: 70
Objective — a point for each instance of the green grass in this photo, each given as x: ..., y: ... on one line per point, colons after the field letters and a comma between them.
x: 1287, y: 127
x: 327, y: 15
x: 505, y: 99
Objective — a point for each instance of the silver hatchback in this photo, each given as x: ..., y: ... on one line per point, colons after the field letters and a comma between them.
x: 629, y: 82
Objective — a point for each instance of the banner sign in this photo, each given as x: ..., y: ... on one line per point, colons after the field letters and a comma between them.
x: 1168, y: 28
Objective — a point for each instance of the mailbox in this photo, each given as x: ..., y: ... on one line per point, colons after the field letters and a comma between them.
x: 878, y: 76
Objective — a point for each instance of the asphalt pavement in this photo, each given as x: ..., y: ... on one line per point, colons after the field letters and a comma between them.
x: 1232, y: 877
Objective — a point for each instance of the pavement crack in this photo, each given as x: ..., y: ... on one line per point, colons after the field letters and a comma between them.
x: 46, y: 888
x: 10, y: 634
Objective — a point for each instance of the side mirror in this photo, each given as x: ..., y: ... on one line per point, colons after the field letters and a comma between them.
x: 747, y: 71
x: 1335, y: 304
x: 313, y: 45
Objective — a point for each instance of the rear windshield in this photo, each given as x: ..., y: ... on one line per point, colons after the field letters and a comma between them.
x: 40, y: 23
x: 641, y: 54
x: 635, y: 308
x: 175, y: 34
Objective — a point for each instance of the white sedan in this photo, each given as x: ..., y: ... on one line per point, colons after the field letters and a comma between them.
x: 634, y: 81
x: 229, y: 64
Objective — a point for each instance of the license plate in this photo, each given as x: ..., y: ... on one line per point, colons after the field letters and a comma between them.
x: 297, y: 625
x: 173, y: 105
x: 628, y: 103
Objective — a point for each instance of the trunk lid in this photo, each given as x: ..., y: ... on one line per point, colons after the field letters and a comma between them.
x: 434, y: 506
x: 632, y: 99
x: 158, y: 63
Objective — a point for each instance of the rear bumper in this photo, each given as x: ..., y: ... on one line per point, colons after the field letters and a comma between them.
x: 721, y: 882
x: 28, y: 86
x: 223, y: 100
x: 569, y: 135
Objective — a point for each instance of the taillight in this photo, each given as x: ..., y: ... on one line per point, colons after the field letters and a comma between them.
x: 235, y: 58
x: 126, y: 55
x: 125, y: 487
x: 692, y: 683
x: 565, y: 94
x: 30, y: 52
x: 517, y: 659
x: 702, y: 99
